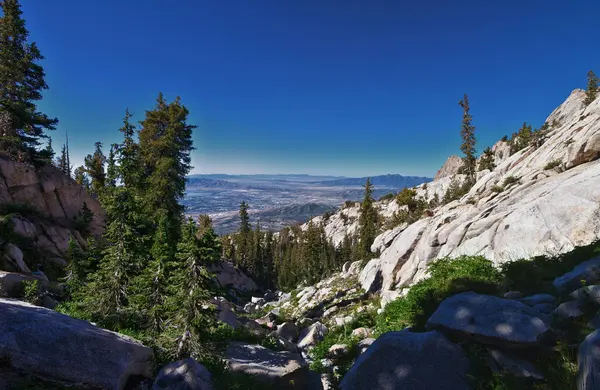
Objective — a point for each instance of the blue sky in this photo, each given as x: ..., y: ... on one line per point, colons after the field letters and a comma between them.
x: 313, y: 86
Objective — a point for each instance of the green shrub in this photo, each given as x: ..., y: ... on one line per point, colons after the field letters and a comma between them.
x: 497, y: 188
x: 349, y: 204
x: 511, y: 180
x: 456, y: 191
x: 552, y: 164
x: 31, y: 290
x: 389, y: 196
x: 569, y: 141
x: 447, y: 277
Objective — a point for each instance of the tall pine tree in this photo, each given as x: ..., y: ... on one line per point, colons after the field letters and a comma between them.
x: 94, y: 167
x: 244, y: 239
x: 22, y: 80
x: 592, y: 88
x: 467, y: 133
x: 368, y: 221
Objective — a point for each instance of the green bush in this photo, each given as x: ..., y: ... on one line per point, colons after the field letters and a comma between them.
x: 497, y: 188
x: 552, y: 164
x: 511, y: 180
x: 389, y: 196
x: 447, y: 277
x: 31, y: 290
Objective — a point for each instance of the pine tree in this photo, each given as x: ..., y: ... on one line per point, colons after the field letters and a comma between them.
x: 77, y: 266
x: 487, y: 160
x: 129, y: 164
x: 165, y: 146
x: 49, y: 153
x: 592, y: 88
x: 82, y: 178
x: 193, y: 283
x: 243, y: 236
x: 22, y: 81
x: 368, y: 221
x: 61, y: 161
x: 112, y: 170
x: 468, y: 138
x: 94, y: 167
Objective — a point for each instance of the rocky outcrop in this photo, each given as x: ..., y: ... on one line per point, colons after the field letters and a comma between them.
x: 588, y: 359
x: 185, y: 374
x: 406, y: 360
x: 450, y: 167
x: 230, y: 277
x: 282, y: 370
x: 491, y: 320
x: 587, y: 272
x: 51, y: 345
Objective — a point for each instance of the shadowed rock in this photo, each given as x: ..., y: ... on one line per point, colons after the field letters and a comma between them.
x: 588, y: 359
x: 490, y: 320
x: 185, y: 374
x: 409, y: 361
x: 587, y: 272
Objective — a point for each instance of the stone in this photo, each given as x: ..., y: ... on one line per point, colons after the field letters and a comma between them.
x: 587, y: 272
x: 346, y: 267
x: 341, y: 321
x: 533, y: 300
x: 288, y: 331
x: 513, y: 295
x: 40, y: 275
x: 361, y: 333
x: 337, y: 351
x: 544, y: 308
x: 505, y: 362
x: 11, y: 284
x: 588, y: 362
x: 269, y: 296
x: 257, y: 300
x: 364, y: 344
x: 228, y: 317
x: 370, y: 277
x: 491, y: 320
x: 16, y: 256
x: 406, y: 360
x: 185, y: 374
x: 571, y: 309
x: 230, y: 277
x: 327, y: 382
x: 249, y: 308
x: 255, y: 328
x: 280, y: 369
x: 50, y: 345
x: 284, y: 344
x: 312, y: 335
x: 588, y: 294
x: 450, y: 167
x: 306, y: 322
x: 48, y: 302
x: 329, y: 311
x: 388, y: 296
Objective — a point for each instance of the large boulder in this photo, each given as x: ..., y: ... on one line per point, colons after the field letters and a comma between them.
x: 288, y: 331
x: 587, y: 272
x: 51, y: 345
x: 11, y: 284
x: 588, y: 360
x: 312, y: 335
x: 15, y: 255
x: 405, y: 360
x: 280, y: 369
x: 185, y: 374
x: 230, y: 277
x: 491, y: 320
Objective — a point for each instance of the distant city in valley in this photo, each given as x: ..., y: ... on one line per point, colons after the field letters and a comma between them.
x: 280, y: 200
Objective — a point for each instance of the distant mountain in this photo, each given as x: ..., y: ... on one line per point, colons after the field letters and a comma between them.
x: 195, y: 182
x: 388, y: 181
x: 265, y: 177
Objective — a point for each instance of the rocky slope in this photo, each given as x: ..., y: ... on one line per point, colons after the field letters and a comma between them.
x: 538, y: 201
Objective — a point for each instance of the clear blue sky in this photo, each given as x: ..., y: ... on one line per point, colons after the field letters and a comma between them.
x: 313, y: 86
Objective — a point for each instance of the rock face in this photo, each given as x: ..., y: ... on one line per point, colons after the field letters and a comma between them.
x: 230, y: 277
x: 311, y: 335
x: 491, y: 320
x: 55, y: 346
x: 185, y: 374
x: 450, y: 167
x: 405, y: 360
x: 283, y: 370
x: 11, y: 284
x: 588, y: 359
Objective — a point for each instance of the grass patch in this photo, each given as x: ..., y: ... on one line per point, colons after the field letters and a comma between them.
x: 496, y: 188
x: 511, y: 180
x: 447, y: 277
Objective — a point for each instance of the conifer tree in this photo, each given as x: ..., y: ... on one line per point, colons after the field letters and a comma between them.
x: 243, y: 236
x: 49, y: 154
x: 468, y: 138
x: 61, y: 161
x: 165, y: 144
x: 22, y: 80
x: 129, y: 164
x: 368, y: 221
x: 592, y: 88
x: 94, y: 167
x: 77, y: 266
x: 82, y: 178
x: 487, y: 160
x: 193, y: 283
x: 112, y: 171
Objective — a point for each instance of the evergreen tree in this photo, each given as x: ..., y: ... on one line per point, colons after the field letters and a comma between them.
x: 243, y: 236
x: 268, y: 259
x: 368, y: 221
x: 112, y: 171
x: 129, y: 164
x: 256, y: 264
x: 82, y: 178
x: 468, y: 138
x: 22, y: 81
x: 193, y: 283
x: 592, y: 88
x: 94, y: 167
x: 61, y: 161
x: 49, y: 153
x: 487, y: 160
x: 165, y: 147
x: 77, y: 266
